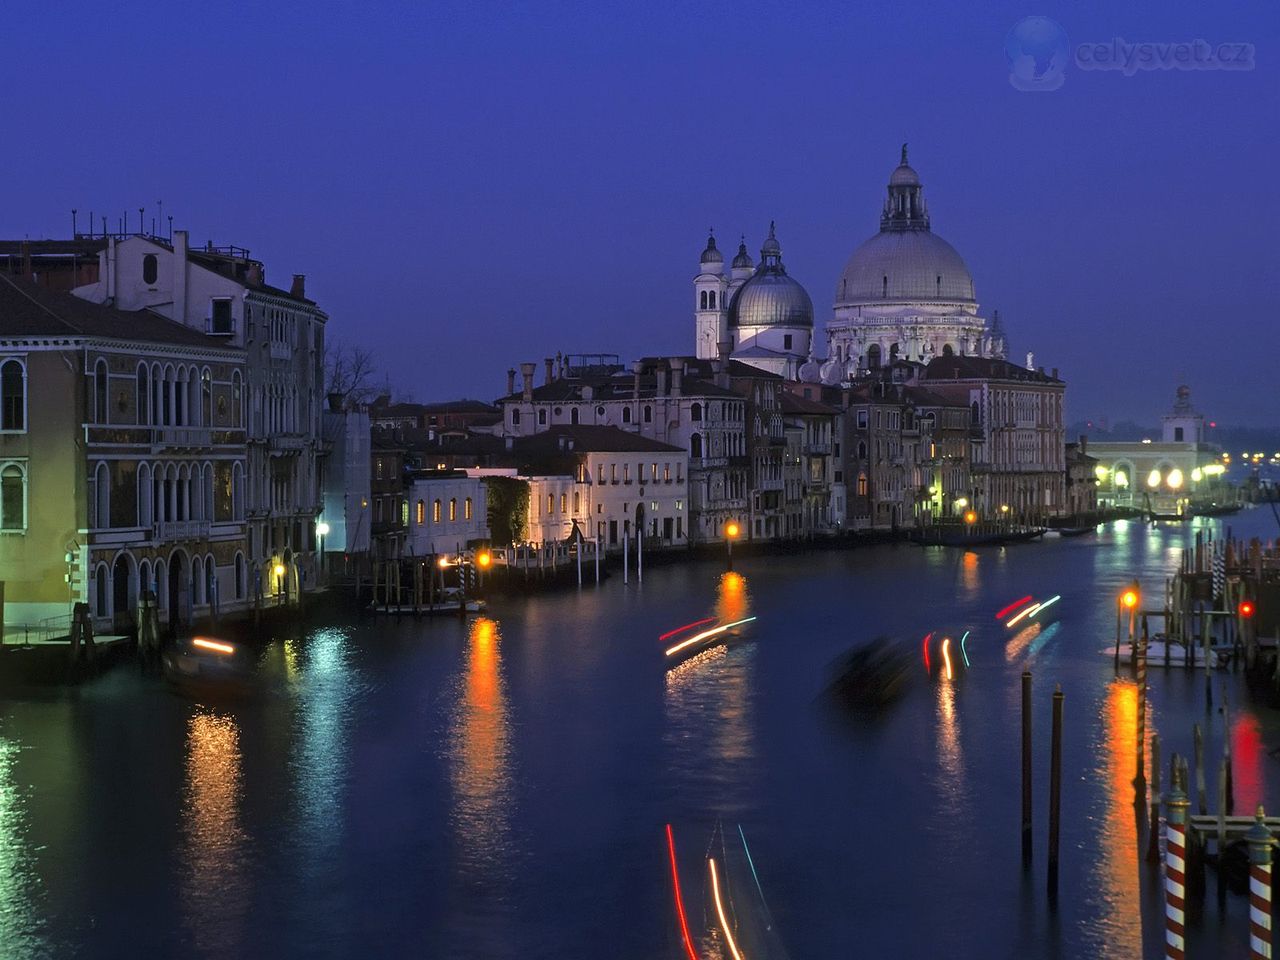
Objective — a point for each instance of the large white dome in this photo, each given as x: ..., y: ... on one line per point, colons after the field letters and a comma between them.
x: 904, y: 265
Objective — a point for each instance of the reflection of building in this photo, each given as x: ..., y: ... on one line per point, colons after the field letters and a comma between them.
x: 1179, y: 467
x: 122, y: 461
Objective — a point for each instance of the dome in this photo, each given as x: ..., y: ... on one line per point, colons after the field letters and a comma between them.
x: 743, y: 259
x: 911, y: 265
x: 711, y: 254
x: 904, y: 176
x: 810, y: 371
x: 770, y: 299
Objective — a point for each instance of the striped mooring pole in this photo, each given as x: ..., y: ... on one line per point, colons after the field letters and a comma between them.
x: 1140, y: 777
x: 1260, y: 842
x: 1175, y: 867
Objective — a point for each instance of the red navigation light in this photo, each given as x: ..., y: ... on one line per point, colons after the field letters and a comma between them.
x: 1012, y: 607
x: 927, y: 668
x: 1246, y: 609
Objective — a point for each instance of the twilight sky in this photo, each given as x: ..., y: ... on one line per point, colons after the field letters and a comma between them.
x: 469, y: 185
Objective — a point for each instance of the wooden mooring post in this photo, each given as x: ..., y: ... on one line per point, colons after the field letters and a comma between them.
x: 1140, y: 777
x: 1153, y: 832
x: 1197, y: 737
x: 1055, y: 793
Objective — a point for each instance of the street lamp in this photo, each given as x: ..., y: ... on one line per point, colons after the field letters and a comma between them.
x: 1174, y: 479
x: 970, y: 517
x: 322, y: 531
x: 731, y: 531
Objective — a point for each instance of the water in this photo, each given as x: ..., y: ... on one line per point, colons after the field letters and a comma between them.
x: 430, y: 789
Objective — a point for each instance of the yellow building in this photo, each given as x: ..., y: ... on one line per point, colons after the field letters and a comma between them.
x: 122, y: 452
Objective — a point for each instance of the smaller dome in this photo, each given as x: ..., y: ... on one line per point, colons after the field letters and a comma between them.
x: 810, y: 371
x: 770, y: 299
x: 771, y: 248
x: 904, y: 176
x: 711, y: 254
x: 743, y: 259
x: 831, y: 372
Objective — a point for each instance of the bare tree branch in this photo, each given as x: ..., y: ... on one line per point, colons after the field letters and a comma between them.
x: 349, y: 371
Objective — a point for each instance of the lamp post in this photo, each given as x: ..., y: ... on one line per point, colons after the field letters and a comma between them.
x: 731, y: 532
x: 322, y: 531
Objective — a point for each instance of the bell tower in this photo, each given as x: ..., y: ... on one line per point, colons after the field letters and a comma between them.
x: 710, y: 310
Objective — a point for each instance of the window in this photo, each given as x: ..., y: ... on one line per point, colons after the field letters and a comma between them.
x: 515, y: 417
x: 13, y: 395
x: 564, y: 502
x: 577, y: 502
x: 626, y: 414
x: 143, y: 394
x: 206, y: 397
x: 435, y: 511
x: 786, y: 341
x: 100, y: 391
x: 862, y: 484
x: 573, y: 416
x: 422, y: 512
x: 695, y: 412
x: 702, y: 300
x: 404, y: 513
x: 626, y: 473
x: 453, y: 509
x: 13, y: 497
x: 236, y: 402
x: 220, y: 316
x: 600, y: 473
x: 149, y: 269
x: 551, y: 503
x: 862, y: 419
x: 542, y: 418
x: 377, y: 509
x: 648, y: 414
x: 711, y: 299
x: 666, y: 472
x: 695, y: 446
x: 466, y: 509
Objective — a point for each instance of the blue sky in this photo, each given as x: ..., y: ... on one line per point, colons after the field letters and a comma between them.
x: 471, y: 185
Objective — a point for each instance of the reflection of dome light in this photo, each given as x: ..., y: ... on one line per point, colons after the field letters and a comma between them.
x: 1174, y: 479
x: 1122, y: 478
x: 1153, y: 478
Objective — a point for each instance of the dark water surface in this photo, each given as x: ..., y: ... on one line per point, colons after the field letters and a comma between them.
x: 500, y: 789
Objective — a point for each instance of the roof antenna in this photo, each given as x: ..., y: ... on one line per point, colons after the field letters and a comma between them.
x: 142, y: 224
x: 171, y: 228
x: 73, y: 223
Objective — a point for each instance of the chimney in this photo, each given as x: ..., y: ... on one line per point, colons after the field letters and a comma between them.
x: 180, y: 278
x: 27, y: 272
x: 511, y: 381
x: 526, y: 374
x: 661, y: 374
x: 1084, y: 444
x: 549, y: 363
x: 255, y: 273
x: 1055, y: 373
x: 635, y: 379
x: 722, y: 370
x: 677, y: 375
x: 299, y: 287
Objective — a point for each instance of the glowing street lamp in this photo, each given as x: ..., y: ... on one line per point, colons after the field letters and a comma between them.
x: 1153, y: 479
x: 731, y: 533
x: 1197, y: 475
x: 1129, y: 599
x: 1100, y: 472
x: 970, y: 517
x: 1174, y: 479
x: 484, y: 559
x: 1122, y: 479
x: 961, y: 503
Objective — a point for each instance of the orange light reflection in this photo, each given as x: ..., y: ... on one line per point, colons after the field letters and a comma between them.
x: 1117, y: 881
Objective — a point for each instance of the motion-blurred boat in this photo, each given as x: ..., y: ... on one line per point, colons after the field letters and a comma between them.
x: 872, y: 676
x: 207, y: 668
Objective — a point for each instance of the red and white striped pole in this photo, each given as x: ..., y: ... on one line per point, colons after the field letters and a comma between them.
x: 1260, y: 842
x: 1175, y: 867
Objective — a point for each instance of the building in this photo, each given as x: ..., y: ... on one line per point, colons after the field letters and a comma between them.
x: 763, y: 314
x: 453, y: 418
x: 905, y: 293
x: 1017, y: 445
x: 1163, y: 475
x: 1082, y: 479
x: 815, y: 500
x: 346, y: 485
x: 680, y: 401
x: 122, y: 463
x: 389, y: 525
x: 222, y: 293
x: 447, y: 513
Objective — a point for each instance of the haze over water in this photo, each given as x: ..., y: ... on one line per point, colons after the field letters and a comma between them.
x: 500, y: 789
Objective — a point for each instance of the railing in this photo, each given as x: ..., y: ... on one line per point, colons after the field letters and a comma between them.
x: 182, y: 530
x: 42, y: 631
x: 286, y: 442
x: 182, y: 437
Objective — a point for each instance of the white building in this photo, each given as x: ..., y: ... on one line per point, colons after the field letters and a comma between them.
x: 905, y: 293
x: 223, y: 293
x: 447, y: 513
x: 346, y: 482
x: 764, y: 315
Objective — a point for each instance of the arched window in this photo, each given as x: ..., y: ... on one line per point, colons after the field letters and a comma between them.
x: 862, y: 450
x: 466, y: 508
x: 711, y: 299
x: 873, y: 356
x: 435, y: 511
x: 947, y: 351
x: 421, y: 515
x: 893, y: 353
x: 149, y: 269
x: 453, y: 509
x: 573, y: 416
x: 542, y: 417
x: 13, y: 395
x: 626, y: 414
x: 100, y: 392
x: 648, y: 414
x: 144, y: 395
x: 144, y: 577
x: 144, y: 495
x: 862, y: 484
x: 101, y: 593
x: 239, y: 576
x: 237, y: 400
x: 197, y: 579
x: 975, y: 415
x: 101, y: 496
x: 695, y: 412
x: 695, y: 446
x: 13, y: 497
x: 206, y: 397
x: 702, y: 300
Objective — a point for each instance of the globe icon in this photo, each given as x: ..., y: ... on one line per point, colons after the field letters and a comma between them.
x: 1037, y: 51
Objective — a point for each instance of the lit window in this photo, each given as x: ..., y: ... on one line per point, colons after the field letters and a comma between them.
x: 13, y: 497
x: 13, y: 395
x: 564, y: 502
x: 453, y: 509
x: 551, y: 503
x: 466, y: 508
x: 435, y: 511
x: 404, y: 513
x: 422, y: 512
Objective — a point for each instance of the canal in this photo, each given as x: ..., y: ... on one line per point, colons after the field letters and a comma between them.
x: 501, y: 788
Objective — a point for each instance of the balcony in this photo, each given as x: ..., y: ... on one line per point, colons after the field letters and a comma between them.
x: 170, y: 530
x: 181, y: 438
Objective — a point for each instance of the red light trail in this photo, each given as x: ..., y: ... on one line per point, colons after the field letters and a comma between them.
x: 675, y: 880
x: 688, y: 626
x: 1011, y: 607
